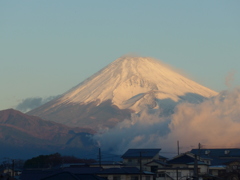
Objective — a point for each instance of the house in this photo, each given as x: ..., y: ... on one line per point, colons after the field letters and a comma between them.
x: 171, y: 173
x: 107, y: 164
x: 139, y: 157
x: 126, y: 173
x: 218, y: 159
x: 218, y: 156
x: 146, y: 160
x: 154, y: 165
x: 182, y: 167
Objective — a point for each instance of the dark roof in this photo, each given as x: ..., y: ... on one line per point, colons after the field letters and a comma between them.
x: 89, y: 177
x: 175, y: 168
x: 184, y: 159
x: 218, y: 161
x: 72, y: 165
x: 199, y: 163
x: 70, y: 176
x: 145, y: 153
x: 77, y: 173
x: 158, y: 162
x: 218, y: 156
x: 107, y: 163
x: 83, y: 170
x: 232, y: 161
x: 232, y: 152
x: 123, y: 170
x: 61, y: 176
x: 162, y: 157
x: 37, y: 174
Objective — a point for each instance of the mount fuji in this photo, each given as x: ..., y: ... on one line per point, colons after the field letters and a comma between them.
x: 129, y: 85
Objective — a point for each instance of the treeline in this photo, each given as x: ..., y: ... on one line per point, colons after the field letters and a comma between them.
x: 53, y: 160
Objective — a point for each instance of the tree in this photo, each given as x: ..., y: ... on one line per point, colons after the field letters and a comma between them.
x: 53, y: 160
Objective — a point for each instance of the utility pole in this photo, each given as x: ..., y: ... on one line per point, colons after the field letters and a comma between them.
x: 177, y: 173
x: 178, y: 147
x: 13, y: 168
x: 140, y: 161
x: 195, y: 167
x: 197, y: 155
x: 199, y: 147
x: 100, y: 157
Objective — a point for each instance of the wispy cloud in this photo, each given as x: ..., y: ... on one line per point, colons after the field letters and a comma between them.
x: 30, y: 103
x: 230, y: 78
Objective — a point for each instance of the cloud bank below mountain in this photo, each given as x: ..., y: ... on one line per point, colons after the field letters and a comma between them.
x: 214, y: 123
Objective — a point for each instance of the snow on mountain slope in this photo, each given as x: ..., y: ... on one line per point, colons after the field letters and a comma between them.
x: 127, y: 85
x: 130, y: 79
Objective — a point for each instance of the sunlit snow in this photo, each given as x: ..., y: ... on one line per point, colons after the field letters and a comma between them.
x: 129, y: 80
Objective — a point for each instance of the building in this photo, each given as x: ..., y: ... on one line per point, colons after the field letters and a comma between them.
x: 139, y: 157
x: 185, y: 166
x: 219, y: 160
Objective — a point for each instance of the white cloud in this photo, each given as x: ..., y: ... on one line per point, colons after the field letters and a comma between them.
x: 214, y: 122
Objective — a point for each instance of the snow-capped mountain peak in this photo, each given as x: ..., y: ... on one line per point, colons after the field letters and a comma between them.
x: 128, y: 79
x: 127, y: 85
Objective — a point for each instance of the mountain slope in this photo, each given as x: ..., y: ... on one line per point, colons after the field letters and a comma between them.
x: 25, y: 135
x: 129, y: 84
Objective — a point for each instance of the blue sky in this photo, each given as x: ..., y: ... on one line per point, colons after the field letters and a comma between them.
x: 47, y: 47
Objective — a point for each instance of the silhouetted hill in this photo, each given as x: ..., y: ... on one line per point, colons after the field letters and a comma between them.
x: 25, y: 136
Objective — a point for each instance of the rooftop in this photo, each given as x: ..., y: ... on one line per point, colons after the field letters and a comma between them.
x: 144, y: 153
